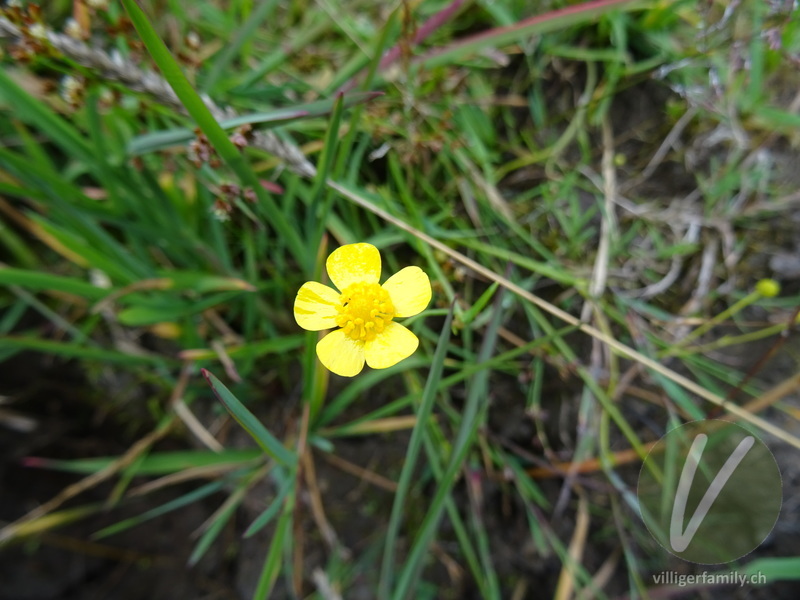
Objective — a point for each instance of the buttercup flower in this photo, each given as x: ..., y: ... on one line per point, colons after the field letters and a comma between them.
x: 363, y: 310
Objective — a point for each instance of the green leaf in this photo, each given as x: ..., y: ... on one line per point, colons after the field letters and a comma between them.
x: 47, y: 522
x: 155, y: 463
x: 774, y: 118
x: 414, y: 446
x: 73, y: 350
x: 272, y: 563
x: 476, y: 399
x: 151, y: 142
x: 203, y: 282
x: 38, y: 281
x: 252, y: 350
x: 239, y: 38
x: 480, y: 304
x: 783, y: 568
x: 525, y: 29
x: 272, y: 510
x: 169, y: 309
x: 35, y: 113
x: 249, y: 422
x: 221, y: 517
x: 168, y: 507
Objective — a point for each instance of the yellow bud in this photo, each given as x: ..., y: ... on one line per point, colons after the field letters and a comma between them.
x: 768, y: 288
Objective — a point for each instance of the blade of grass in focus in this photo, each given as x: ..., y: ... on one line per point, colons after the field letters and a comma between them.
x: 423, y: 413
x: 249, y: 422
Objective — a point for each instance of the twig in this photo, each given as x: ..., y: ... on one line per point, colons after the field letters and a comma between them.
x: 608, y: 226
x: 568, y: 575
x: 360, y: 472
x: 324, y: 586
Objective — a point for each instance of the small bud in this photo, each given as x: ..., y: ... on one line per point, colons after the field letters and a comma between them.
x: 768, y: 288
x: 193, y: 40
x: 73, y: 29
x: 107, y: 98
x: 99, y: 279
x: 239, y: 140
x: 221, y: 211
x: 38, y: 31
x: 231, y: 191
x: 72, y: 90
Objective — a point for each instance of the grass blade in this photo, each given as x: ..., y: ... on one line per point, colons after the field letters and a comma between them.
x: 238, y: 40
x: 414, y: 446
x: 37, y: 281
x: 537, y: 25
x: 156, y: 463
x: 775, y: 568
x: 272, y: 510
x: 168, y: 507
x: 469, y: 423
x: 272, y: 564
x: 73, y: 350
x: 161, y: 140
x: 32, y: 111
x: 268, y: 442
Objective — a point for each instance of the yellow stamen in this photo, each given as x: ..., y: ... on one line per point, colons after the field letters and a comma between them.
x: 364, y: 311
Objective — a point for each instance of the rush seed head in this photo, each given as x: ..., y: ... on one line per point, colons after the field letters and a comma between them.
x: 365, y: 310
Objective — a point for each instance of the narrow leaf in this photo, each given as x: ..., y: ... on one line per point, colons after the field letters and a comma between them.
x: 249, y: 422
x: 414, y: 446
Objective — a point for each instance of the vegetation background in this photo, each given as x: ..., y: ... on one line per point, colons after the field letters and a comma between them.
x: 595, y: 190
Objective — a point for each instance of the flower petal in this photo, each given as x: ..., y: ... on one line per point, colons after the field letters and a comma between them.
x: 410, y: 291
x: 390, y: 346
x: 354, y: 263
x: 341, y: 354
x: 315, y: 306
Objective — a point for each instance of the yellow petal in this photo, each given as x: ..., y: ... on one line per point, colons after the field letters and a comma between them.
x: 390, y: 346
x: 340, y: 354
x: 410, y: 291
x: 354, y: 263
x: 315, y: 306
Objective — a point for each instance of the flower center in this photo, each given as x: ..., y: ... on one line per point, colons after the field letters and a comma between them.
x: 365, y: 310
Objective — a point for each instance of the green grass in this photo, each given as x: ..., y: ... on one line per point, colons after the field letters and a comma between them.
x: 585, y: 184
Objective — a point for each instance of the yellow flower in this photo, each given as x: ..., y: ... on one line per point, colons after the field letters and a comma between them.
x: 364, y: 311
